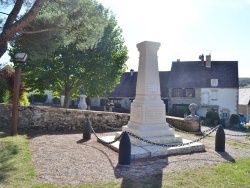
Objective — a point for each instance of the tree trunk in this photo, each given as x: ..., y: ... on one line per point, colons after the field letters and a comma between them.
x: 67, y: 98
x: 11, y: 26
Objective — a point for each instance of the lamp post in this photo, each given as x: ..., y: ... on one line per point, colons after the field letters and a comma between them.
x: 18, y: 59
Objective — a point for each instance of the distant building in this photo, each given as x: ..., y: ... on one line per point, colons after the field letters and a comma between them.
x: 212, y: 85
x: 244, y: 102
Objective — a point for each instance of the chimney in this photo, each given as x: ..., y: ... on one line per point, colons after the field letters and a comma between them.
x: 201, y: 57
x: 208, y: 61
x: 178, y: 60
x: 131, y: 72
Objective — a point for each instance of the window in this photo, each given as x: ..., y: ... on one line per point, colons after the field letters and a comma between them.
x: 189, y: 92
x: 214, y: 82
x: 177, y: 92
x: 225, y: 113
x: 115, y: 101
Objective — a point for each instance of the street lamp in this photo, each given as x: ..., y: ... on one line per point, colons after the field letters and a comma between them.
x: 18, y: 59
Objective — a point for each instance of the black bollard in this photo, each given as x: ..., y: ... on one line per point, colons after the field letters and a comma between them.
x: 87, y: 130
x: 124, y: 150
x: 220, y: 139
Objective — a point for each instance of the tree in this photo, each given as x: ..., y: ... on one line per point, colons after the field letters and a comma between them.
x: 89, y: 52
x: 62, y: 23
x: 7, y: 84
x: 14, y: 24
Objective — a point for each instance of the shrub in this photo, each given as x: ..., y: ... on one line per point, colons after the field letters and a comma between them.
x: 179, y: 111
x: 56, y: 100
x: 24, y: 101
x: 223, y: 122
x: 38, y: 97
x: 3, y: 89
x: 212, y: 118
x: 234, y: 119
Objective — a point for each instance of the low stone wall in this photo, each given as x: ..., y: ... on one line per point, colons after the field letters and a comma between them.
x: 47, y: 118
x: 182, y: 124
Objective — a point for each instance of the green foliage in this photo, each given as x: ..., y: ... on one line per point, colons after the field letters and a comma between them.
x: 23, y: 100
x: 212, y: 118
x: 38, y: 97
x: 63, y: 23
x: 56, y: 100
x: 3, y: 89
x: 234, y: 119
x: 246, y: 126
x: 223, y: 122
x: 179, y: 111
x: 95, y: 61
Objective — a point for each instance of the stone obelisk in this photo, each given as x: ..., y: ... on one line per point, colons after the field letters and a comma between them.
x: 148, y: 112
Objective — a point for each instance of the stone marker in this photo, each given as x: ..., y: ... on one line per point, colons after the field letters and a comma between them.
x: 148, y: 112
x: 148, y: 116
x: 192, y: 119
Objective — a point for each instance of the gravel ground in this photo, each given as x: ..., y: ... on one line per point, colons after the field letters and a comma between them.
x: 65, y: 159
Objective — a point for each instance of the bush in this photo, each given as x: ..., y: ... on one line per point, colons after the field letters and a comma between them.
x: 38, y: 97
x: 24, y: 101
x: 212, y: 118
x: 3, y: 89
x: 223, y: 122
x: 234, y: 119
x: 56, y: 100
x: 179, y: 111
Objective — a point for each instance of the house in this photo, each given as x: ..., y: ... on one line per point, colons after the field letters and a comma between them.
x: 124, y: 93
x: 212, y: 85
x: 244, y: 102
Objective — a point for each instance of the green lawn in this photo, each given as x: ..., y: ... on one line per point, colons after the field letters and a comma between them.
x: 16, y: 170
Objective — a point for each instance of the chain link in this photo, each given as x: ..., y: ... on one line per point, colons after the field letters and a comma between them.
x: 173, y: 145
x: 104, y: 142
x: 210, y: 128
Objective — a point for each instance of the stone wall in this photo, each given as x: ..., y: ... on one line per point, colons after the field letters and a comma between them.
x: 45, y: 118
x: 182, y: 124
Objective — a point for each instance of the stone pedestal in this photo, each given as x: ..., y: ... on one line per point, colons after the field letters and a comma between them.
x: 148, y: 114
x: 82, y: 103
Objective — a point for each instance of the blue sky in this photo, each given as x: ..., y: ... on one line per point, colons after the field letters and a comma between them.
x: 185, y: 29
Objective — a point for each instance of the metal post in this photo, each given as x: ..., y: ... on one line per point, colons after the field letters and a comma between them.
x: 15, y: 101
x: 124, y: 150
x: 87, y: 130
x: 220, y: 139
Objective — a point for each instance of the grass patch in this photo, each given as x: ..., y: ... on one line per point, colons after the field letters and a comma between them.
x: 238, y: 144
x: 223, y: 175
x: 16, y: 170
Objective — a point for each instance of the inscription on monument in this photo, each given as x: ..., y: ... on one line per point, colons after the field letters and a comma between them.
x: 154, y: 114
x: 135, y: 113
x: 153, y: 88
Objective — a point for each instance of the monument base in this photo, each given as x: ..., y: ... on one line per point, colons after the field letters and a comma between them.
x: 168, y: 139
x: 139, y: 152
